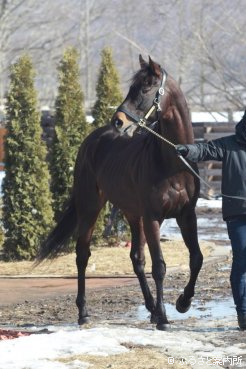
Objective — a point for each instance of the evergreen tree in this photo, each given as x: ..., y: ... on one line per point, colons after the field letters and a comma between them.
x: 108, y: 90
x: 109, y: 96
x: 27, y: 210
x: 70, y: 127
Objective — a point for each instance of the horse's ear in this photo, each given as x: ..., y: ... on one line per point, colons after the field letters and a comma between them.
x: 156, y: 68
x: 142, y: 62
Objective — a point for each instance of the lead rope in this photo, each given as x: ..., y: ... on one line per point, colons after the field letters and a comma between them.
x: 142, y: 124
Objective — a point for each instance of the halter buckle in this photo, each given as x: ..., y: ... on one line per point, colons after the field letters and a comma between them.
x: 157, y: 103
x: 161, y: 91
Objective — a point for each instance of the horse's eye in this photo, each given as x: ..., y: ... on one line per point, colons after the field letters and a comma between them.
x: 146, y: 86
x: 146, y: 82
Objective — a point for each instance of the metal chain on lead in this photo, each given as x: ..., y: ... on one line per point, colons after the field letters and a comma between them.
x: 142, y: 124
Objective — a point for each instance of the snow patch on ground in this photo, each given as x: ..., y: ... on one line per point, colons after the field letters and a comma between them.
x: 42, y: 351
x: 169, y: 228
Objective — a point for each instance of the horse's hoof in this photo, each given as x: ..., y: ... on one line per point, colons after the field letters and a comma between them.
x: 83, y: 320
x: 163, y: 326
x: 182, y: 307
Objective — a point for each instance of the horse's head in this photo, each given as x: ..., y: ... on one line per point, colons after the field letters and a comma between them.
x: 144, y: 99
x: 155, y: 99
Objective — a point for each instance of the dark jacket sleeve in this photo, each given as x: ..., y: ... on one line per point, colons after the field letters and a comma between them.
x: 212, y: 150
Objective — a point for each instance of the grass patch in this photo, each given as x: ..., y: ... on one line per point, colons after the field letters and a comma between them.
x: 103, y: 261
x: 139, y: 357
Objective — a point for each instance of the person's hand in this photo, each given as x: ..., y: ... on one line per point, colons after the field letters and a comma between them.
x: 181, y: 150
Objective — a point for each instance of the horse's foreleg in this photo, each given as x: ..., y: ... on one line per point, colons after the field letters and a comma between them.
x: 152, y: 233
x: 138, y: 261
x: 188, y: 226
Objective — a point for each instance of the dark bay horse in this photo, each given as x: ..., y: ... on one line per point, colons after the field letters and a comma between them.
x: 141, y: 175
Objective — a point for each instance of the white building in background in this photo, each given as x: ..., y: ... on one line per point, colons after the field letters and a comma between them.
x: 216, y: 117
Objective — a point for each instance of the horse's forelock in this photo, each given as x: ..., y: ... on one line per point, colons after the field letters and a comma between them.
x: 139, y: 76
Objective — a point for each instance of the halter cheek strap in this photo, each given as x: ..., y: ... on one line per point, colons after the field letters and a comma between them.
x: 161, y: 91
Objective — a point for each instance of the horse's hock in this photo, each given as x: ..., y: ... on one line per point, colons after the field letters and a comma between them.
x: 210, y: 171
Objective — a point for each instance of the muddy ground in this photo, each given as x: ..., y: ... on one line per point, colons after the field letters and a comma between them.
x: 118, y: 303
x: 117, y: 300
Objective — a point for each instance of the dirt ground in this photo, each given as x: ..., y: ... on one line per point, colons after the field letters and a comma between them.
x: 42, y: 302
x: 115, y: 301
x: 51, y: 301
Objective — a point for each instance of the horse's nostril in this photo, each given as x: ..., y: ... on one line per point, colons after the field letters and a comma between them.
x: 118, y: 123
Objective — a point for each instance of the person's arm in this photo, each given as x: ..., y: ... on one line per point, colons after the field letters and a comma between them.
x: 212, y: 150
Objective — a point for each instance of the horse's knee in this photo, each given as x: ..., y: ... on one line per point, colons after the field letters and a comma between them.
x: 199, y: 260
x: 82, y: 259
x: 138, y: 263
x: 159, y: 270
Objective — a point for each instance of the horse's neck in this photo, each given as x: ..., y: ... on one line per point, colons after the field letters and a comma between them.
x: 175, y: 115
x: 176, y: 125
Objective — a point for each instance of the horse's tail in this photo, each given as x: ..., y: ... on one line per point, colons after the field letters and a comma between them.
x: 57, y: 240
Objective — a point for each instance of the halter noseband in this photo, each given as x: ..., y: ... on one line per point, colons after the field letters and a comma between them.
x: 155, y: 105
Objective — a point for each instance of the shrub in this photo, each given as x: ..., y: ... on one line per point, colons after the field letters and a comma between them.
x: 27, y: 208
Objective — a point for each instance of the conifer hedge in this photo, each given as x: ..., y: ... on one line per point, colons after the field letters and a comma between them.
x: 109, y: 96
x: 27, y: 210
x: 108, y: 90
x: 70, y: 127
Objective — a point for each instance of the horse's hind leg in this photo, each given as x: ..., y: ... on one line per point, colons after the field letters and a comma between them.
x: 82, y: 256
x: 138, y: 261
x: 87, y: 219
x: 188, y: 226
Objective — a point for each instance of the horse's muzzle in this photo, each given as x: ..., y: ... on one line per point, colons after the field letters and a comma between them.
x: 123, y: 124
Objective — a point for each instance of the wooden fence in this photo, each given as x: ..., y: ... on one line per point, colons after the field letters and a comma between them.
x: 210, y: 171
